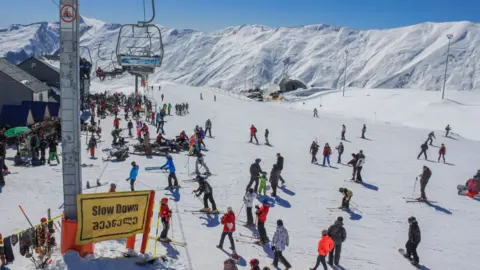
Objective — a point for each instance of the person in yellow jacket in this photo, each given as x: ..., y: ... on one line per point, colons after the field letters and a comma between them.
x: 325, y: 245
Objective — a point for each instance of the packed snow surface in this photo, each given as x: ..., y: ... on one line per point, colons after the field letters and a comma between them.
x: 376, y: 228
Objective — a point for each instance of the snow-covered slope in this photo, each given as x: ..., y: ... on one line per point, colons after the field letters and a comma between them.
x: 376, y: 229
x: 407, y: 57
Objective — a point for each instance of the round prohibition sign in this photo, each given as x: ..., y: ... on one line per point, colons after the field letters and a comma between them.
x: 68, y: 13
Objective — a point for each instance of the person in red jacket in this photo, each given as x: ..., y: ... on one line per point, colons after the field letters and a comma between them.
x: 164, y: 214
x: 262, y: 213
x: 228, y: 221
x: 116, y: 123
x: 113, y: 187
x: 327, y: 151
x: 441, y: 152
x: 325, y: 245
x: 253, y: 133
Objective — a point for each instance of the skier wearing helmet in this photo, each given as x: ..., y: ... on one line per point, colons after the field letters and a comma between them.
x: 165, y: 214
x: 228, y: 221
x: 171, y: 167
x: 205, y: 188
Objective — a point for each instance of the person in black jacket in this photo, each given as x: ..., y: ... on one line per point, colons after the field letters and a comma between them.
x: 424, y: 177
x: 358, y: 166
x: 255, y: 171
x: 338, y: 234
x: 340, y: 150
x: 430, y: 138
x: 130, y: 126
x: 204, y: 187
x: 424, y: 148
x: 280, y: 167
x: 313, y: 151
x: 414, y: 238
x: 52, y: 145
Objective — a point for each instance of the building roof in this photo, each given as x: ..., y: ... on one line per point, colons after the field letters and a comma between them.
x: 22, y: 77
x: 49, y: 62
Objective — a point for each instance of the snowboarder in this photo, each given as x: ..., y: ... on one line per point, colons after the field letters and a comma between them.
x: 364, y: 129
x: 263, y: 185
x: 424, y: 178
x: 255, y: 171
x: 441, y: 152
x: 208, y: 128
x: 92, y: 144
x: 133, y: 175
x: 357, y: 168
x: 228, y: 221
x: 424, y: 148
x: 315, y: 112
x: 113, y: 187
x: 430, y: 138
x: 280, y: 161
x: 200, y: 161
x: 253, y: 133
x: 338, y: 234
x: 344, y: 129
x: 327, y: 151
x: 164, y: 215
x: 262, y: 213
x: 340, y: 150
x: 274, y: 176
x: 347, y: 196
x: 414, y: 238
x: 447, y: 130
x: 279, y: 242
x: 266, y: 136
x: 52, y: 145
x: 325, y: 246
x: 204, y: 187
x: 130, y: 126
x: 313, y: 150
x: 249, y: 199
x: 171, y: 167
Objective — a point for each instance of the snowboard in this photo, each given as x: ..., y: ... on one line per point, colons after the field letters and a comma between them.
x: 402, y: 252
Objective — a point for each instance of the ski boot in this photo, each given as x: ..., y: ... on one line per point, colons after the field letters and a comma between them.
x: 169, y: 187
x: 206, y: 209
x: 215, y: 211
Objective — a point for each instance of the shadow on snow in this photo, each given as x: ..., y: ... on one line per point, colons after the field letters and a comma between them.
x: 353, y: 215
x: 211, y: 220
x: 439, y: 208
x: 286, y: 191
x: 171, y: 251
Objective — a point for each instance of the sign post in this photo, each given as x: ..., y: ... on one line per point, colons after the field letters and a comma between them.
x: 70, y: 111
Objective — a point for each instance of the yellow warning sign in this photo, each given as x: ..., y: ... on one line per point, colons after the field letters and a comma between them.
x: 107, y: 216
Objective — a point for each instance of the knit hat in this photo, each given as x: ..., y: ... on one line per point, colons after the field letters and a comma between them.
x: 279, y: 222
x: 229, y: 209
x: 43, y: 220
x: 340, y: 219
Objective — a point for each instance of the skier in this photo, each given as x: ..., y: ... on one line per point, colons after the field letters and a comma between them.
x: 255, y: 171
x: 186, y: 107
x: 364, y: 129
x: 200, y: 161
x: 130, y: 126
x: 169, y: 108
x: 113, y: 187
x: 263, y: 184
x: 340, y: 150
x: 249, y: 199
x: 347, y: 196
x: 116, y: 134
x: 338, y: 234
x: 274, y: 176
x: 447, y: 130
x: 360, y: 160
x: 92, y: 144
x: 164, y: 215
x: 279, y: 242
x: 327, y: 151
x: 424, y: 148
x: 116, y: 123
x: 313, y: 150
x: 204, y: 187
x: 266, y: 136
x: 228, y: 221
x: 262, y: 213
x: 214, y: 97
x: 253, y: 133
x: 133, y: 175
x: 424, y: 178
x: 201, y: 96
x: 162, y: 96
x: 430, y: 138
x: 208, y: 128
x: 280, y: 161
x: 414, y: 238
x: 344, y: 129
x: 441, y: 152
x: 315, y: 112
x: 325, y: 246
x: 52, y: 145
x: 171, y: 167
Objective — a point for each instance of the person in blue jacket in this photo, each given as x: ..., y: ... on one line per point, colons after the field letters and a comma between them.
x: 171, y: 167
x: 133, y: 175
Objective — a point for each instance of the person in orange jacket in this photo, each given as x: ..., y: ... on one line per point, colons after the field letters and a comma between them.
x: 253, y: 133
x: 262, y: 213
x: 113, y: 187
x: 228, y: 221
x: 325, y: 246
x: 441, y: 152
x: 165, y: 214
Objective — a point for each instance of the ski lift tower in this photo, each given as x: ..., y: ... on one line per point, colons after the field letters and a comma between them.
x: 140, y: 48
x: 70, y: 109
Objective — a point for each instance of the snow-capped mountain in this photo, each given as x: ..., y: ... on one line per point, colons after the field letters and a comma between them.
x: 235, y: 57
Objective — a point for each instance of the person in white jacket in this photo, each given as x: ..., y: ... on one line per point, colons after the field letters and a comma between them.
x: 280, y: 241
x: 249, y: 199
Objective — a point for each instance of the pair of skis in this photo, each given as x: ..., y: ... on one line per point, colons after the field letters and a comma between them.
x: 413, y: 200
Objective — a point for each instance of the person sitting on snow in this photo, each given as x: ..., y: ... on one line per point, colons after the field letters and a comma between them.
x: 472, y: 185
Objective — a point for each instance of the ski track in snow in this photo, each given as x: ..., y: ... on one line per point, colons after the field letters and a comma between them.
x: 375, y: 230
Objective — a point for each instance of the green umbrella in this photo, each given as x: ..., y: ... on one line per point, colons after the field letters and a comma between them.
x: 13, y: 132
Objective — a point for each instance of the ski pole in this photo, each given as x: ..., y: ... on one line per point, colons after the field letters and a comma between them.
x: 21, y: 208
x: 241, y: 208
x: 414, y: 186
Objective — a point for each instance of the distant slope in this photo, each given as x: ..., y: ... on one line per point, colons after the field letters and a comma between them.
x: 407, y: 57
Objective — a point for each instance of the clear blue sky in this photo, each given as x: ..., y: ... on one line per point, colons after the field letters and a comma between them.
x: 208, y: 15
